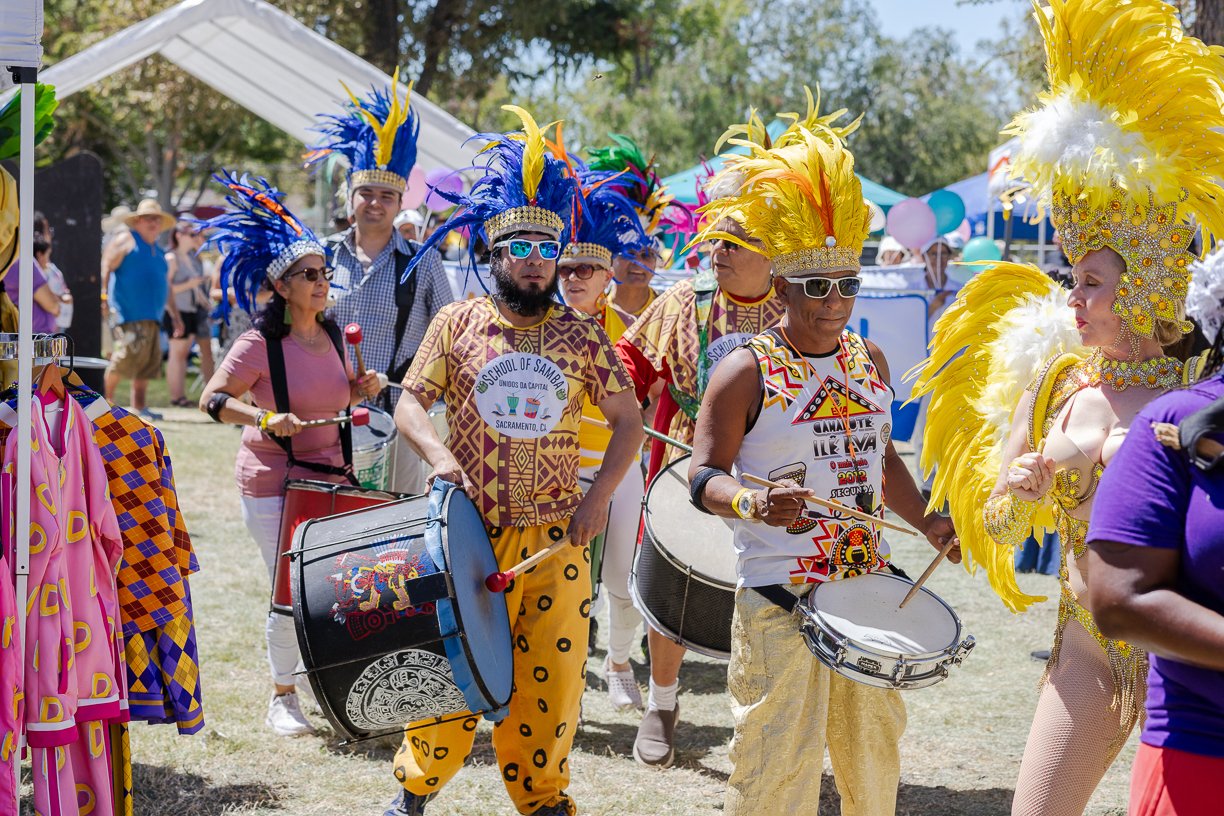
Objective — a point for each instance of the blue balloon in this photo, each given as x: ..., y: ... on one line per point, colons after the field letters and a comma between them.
x: 949, y: 210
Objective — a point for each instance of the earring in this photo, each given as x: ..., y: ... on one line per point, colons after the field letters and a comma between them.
x: 288, y: 315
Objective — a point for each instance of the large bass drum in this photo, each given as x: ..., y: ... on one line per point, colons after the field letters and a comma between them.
x: 683, y: 578
x: 393, y: 618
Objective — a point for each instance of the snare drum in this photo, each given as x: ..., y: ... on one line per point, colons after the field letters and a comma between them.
x: 393, y: 618
x: 683, y: 578
x: 854, y: 627
x: 306, y: 499
x: 372, y: 450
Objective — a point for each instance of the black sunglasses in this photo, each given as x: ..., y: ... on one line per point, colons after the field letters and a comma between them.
x: 579, y: 271
x: 312, y: 274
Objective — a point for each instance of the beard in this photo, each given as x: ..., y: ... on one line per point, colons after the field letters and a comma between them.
x: 526, y: 302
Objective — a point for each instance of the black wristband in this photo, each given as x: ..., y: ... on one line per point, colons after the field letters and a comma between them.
x: 215, y: 403
x: 697, y: 486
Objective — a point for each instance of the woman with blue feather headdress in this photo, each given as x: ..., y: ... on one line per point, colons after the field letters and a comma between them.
x: 267, y: 247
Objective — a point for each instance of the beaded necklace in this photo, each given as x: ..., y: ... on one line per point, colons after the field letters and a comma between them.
x: 1159, y: 373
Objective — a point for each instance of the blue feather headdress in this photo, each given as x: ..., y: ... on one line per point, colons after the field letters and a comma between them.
x: 259, y: 238
x: 607, y: 224
x: 524, y: 188
x: 378, y: 135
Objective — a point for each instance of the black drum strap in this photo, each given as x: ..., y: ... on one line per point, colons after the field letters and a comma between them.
x: 778, y: 596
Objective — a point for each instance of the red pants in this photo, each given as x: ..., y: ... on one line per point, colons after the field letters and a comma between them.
x: 1168, y: 782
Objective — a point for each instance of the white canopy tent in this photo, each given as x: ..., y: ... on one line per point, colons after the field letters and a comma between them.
x: 264, y: 60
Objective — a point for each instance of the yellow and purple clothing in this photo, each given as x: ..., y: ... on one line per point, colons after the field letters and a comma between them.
x: 514, y: 398
x: 680, y: 338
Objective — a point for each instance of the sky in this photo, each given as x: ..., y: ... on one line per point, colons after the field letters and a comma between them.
x: 970, y: 23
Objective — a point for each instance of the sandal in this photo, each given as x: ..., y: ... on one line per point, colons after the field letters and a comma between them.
x: 181, y: 402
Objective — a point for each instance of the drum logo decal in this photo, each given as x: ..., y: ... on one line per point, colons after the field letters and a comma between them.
x: 371, y: 592
x: 403, y: 687
x: 521, y: 395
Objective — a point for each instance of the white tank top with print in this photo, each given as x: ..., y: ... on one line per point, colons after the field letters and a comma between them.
x: 825, y: 422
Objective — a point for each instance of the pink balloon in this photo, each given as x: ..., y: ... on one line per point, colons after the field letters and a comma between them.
x: 448, y: 181
x: 414, y: 195
x: 912, y: 222
x: 964, y: 230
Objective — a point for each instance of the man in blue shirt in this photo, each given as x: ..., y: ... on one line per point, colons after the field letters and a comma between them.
x: 134, y: 292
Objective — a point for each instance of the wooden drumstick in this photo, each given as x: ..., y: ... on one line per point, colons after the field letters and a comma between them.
x: 649, y: 432
x: 832, y: 505
x: 927, y: 574
x: 499, y: 581
x: 352, y: 336
x: 361, y: 416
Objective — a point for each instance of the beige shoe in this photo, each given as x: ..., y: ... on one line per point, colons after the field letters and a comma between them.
x: 623, y: 691
x: 285, y: 716
x: 654, y: 746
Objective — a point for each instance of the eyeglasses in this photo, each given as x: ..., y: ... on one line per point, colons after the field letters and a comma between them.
x: 579, y: 271
x: 521, y: 248
x: 819, y: 288
x: 312, y: 274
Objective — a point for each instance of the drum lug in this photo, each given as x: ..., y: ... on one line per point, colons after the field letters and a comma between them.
x: 963, y: 650
x: 898, y: 671
x: 843, y: 648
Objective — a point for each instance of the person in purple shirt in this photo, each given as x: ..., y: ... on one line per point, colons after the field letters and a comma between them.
x: 1157, y: 562
x: 46, y: 302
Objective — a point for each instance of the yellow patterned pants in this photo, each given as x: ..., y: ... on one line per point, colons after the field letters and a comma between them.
x: 787, y: 705
x: 549, y: 607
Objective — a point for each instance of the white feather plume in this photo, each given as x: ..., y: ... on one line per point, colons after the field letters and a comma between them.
x: 1205, y: 299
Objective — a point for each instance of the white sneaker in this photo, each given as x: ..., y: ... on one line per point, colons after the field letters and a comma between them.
x: 623, y: 691
x: 285, y: 716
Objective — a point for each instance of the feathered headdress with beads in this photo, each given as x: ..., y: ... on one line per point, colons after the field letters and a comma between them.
x: 660, y: 213
x: 259, y: 238
x: 378, y: 135
x: 802, y: 201
x: 606, y: 224
x: 524, y: 188
x: 1126, y: 148
x: 756, y: 132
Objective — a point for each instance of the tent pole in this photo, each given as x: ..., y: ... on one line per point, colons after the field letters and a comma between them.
x: 25, y: 343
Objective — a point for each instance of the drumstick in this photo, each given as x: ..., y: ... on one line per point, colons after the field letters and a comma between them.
x: 352, y: 336
x: 927, y: 574
x: 832, y: 505
x: 498, y: 581
x: 361, y: 416
x: 649, y: 432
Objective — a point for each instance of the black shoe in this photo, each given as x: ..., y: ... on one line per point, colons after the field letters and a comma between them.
x: 1040, y: 655
x: 560, y: 809
x: 408, y: 804
x: 594, y: 635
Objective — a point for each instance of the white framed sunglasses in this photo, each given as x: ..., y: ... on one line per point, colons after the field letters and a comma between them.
x: 521, y: 248
x: 819, y: 288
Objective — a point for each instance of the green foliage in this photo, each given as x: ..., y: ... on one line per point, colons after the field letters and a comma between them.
x: 10, y: 119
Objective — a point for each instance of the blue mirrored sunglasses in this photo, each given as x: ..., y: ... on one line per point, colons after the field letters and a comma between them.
x: 521, y: 248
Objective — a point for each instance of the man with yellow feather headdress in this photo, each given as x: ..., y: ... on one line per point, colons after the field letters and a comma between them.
x: 792, y: 404
x: 1127, y: 151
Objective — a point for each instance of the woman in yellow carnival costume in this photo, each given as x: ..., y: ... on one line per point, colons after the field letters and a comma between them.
x: 1126, y: 150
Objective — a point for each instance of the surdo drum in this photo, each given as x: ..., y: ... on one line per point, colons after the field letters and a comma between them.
x: 683, y: 578
x: 393, y: 619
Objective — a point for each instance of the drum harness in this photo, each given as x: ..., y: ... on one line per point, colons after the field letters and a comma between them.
x: 280, y: 392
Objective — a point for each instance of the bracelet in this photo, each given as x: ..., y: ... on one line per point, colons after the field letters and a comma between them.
x: 1009, y: 519
x: 697, y: 486
x: 104, y: 297
x: 262, y: 419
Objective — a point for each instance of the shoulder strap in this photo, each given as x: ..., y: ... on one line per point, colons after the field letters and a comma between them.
x: 405, y: 297
x: 1043, y: 396
x: 346, y: 429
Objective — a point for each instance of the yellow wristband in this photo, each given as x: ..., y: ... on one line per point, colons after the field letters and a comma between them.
x: 263, y: 420
x: 735, y: 504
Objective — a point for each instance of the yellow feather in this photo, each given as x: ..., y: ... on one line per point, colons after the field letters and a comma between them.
x: 534, y: 148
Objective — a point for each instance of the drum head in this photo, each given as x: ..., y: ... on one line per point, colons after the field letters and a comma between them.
x: 481, y: 614
x: 865, y: 610
x: 689, y: 536
x: 378, y: 434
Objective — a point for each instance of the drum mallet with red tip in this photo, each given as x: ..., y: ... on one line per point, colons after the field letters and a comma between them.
x: 499, y: 581
x: 352, y: 336
x: 361, y: 416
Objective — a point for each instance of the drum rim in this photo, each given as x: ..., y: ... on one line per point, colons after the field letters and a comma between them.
x: 818, y: 619
x: 653, y: 620
x: 671, y: 558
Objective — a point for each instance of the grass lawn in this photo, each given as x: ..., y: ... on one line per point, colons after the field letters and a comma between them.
x: 961, y: 750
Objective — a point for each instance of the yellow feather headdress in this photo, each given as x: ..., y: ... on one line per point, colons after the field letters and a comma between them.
x: 1127, y: 145
x: 801, y: 200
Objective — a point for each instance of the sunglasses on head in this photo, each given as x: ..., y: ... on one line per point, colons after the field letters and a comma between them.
x: 579, y: 271
x: 819, y: 288
x: 521, y: 248
x: 313, y: 273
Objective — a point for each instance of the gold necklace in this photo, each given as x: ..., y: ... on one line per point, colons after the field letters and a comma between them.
x: 310, y: 341
x: 1159, y: 373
